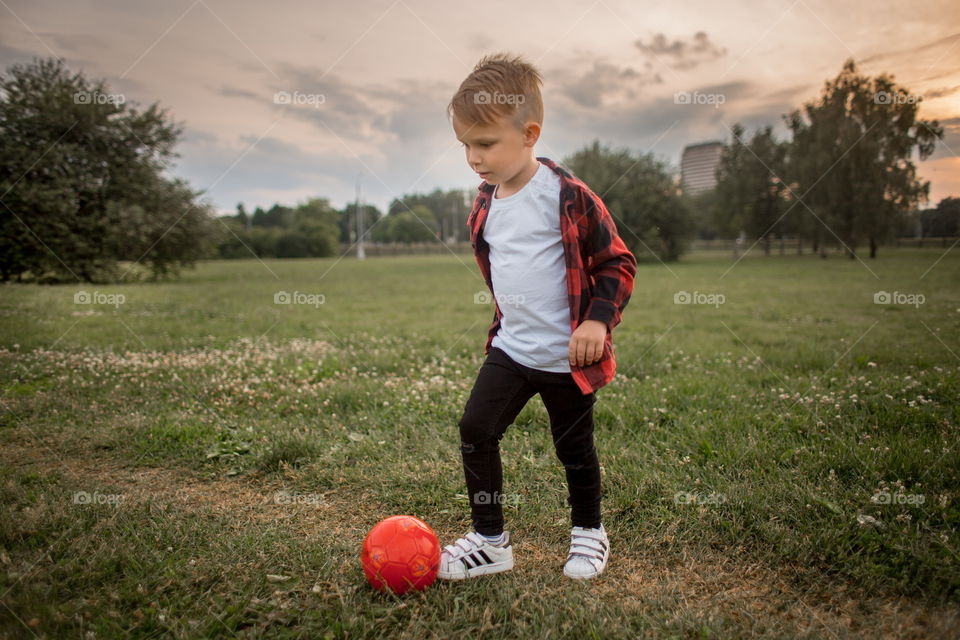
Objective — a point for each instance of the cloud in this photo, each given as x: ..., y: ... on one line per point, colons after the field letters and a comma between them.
x: 416, y: 110
x: 346, y: 107
x: 378, y: 123
x: 235, y: 92
x: 480, y: 42
x: 400, y: 115
x: 239, y: 172
x: 794, y: 95
x: 384, y: 93
x: 950, y: 73
x: 682, y: 54
x: 78, y: 42
x: 947, y: 42
x: 603, y: 83
x: 10, y: 56
x: 658, y: 125
x: 940, y: 93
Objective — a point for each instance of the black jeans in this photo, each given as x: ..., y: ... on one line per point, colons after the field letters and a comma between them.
x: 502, y: 388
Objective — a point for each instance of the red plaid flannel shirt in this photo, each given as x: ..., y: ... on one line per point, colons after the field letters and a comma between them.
x: 600, y: 268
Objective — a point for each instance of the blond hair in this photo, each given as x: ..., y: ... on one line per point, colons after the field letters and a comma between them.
x: 500, y: 85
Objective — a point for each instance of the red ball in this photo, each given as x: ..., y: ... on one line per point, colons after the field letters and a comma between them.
x: 400, y: 553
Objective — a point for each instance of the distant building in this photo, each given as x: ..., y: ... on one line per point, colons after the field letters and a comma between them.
x: 698, y: 166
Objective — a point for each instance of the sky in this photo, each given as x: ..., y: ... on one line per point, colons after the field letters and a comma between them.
x: 369, y: 81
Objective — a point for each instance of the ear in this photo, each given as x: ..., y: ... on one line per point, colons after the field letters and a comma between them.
x: 531, y: 133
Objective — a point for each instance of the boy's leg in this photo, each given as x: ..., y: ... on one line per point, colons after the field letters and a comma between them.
x: 499, y: 394
x: 571, y: 425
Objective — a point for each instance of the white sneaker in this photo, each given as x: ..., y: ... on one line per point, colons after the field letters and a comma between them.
x: 473, y: 556
x: 589, y: 550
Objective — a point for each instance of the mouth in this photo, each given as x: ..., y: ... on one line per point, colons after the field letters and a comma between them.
x: 483, y: 174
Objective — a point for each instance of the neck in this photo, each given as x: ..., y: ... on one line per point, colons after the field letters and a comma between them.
x: 509, y: 187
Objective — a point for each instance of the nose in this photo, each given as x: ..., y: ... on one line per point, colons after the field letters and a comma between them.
x: 473, y: 158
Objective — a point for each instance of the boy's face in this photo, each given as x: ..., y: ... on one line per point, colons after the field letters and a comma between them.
x: 497, y: 152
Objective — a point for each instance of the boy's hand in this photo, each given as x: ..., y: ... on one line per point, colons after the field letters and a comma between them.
x: 586, y: 343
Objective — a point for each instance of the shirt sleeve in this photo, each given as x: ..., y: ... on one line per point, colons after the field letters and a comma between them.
x: 611, y: 266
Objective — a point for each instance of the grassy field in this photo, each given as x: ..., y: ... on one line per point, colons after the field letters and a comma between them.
x: 192, y: 459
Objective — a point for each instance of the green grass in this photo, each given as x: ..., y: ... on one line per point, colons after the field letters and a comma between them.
x: 763, y: 434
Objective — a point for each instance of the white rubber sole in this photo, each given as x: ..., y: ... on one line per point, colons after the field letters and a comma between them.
x: 482, y: 570
x: 577, y: 576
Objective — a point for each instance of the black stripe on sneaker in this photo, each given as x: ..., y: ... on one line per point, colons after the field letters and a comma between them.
x: 476, y: 561
x: 466, y: 563
x: 485, y: 557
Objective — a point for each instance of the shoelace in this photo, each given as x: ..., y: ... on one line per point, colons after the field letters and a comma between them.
x: 588, y: 544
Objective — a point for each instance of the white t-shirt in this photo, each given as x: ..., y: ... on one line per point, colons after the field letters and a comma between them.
x: 529, y: 275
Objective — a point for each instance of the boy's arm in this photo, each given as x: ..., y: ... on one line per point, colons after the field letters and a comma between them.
x: 612, y: 266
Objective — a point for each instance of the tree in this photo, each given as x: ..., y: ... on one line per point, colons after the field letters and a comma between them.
x: 263, y: 241
x: 641, y: 195
x: 450, y: 209
x: 852, y: 156
x: 347, y: 222
x: 943, y: 221
x: 82, y: 184
x: 318, y: 223
x: 704, y: 210
x: 232, y: 241
x: 308, y: 230
x: 416, y: 225
x: 749, y: 188
x: 732, y: 190
x: 293, y: 244
x: 242, y: 217
x: 278, y: 216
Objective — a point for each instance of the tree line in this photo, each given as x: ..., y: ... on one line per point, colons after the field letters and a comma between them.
x: 846, y: 176
x: 83, y: 186
x: 317, y: 229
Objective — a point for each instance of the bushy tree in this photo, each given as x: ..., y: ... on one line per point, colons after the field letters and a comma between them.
x: 852, y: 156
x: 319, y: 224
x: 82, y: 182
x: 641, y: 194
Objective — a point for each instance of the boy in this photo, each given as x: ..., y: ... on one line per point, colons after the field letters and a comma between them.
x: 560, y: 275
